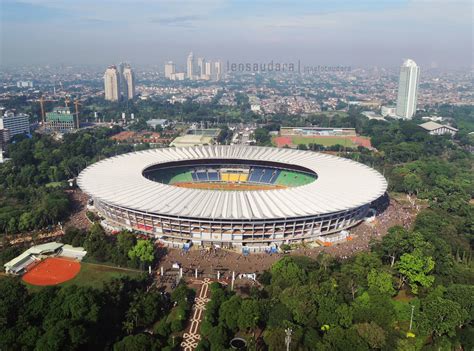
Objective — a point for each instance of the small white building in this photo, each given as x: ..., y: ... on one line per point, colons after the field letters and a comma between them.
x: 434, y: 128
x: 390, y: 111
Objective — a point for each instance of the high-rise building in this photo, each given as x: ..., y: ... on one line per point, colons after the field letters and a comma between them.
x: 190, y: 66
x: 201, y: 62
x: 129, y: 82
x: 170, y: 69
x: 407, y: 89
x: 112, y: 84
x: 210, y: 69
x: 122, y: 84
x: 218, y: 70
x: 12, y: 124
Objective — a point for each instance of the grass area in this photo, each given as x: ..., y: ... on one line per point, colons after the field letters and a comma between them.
x: 171, y: 176
x: 325, y: 141
x: 290, y: 179
x: 181, y: 177
x: 94, y: 275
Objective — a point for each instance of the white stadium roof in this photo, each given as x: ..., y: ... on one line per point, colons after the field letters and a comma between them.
x: 341, y: 184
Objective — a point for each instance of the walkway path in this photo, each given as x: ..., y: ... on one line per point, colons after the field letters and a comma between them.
x: 191, y: 336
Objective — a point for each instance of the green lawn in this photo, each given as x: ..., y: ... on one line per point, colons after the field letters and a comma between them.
x: 288, y: 178
x: 94, y: 275
x: 325, y: 141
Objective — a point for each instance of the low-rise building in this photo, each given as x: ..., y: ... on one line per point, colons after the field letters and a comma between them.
x: 157, y: 122
x: 388, y: 111
x: 434, y: 128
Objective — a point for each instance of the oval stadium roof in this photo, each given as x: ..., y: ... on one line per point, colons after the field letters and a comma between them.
x: 341, y: 184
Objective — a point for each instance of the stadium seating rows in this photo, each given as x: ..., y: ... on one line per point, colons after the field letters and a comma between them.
x: 261, y: 175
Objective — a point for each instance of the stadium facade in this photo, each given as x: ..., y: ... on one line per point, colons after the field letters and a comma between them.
x: 242, y: 197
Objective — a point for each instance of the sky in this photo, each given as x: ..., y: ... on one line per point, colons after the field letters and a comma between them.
x: 363, y: 33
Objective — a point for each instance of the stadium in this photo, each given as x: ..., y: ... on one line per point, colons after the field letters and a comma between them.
x: 242, y: 197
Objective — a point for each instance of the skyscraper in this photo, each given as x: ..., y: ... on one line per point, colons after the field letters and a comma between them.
x: 218, y: 70
x: 129, y: 82
x: 201, y: 62
x: 190, y: 66
x: 170, y: 69
x: 408, y: 89
x: 112, y: 83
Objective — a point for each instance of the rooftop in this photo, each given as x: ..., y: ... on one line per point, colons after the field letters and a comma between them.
x: 342, y: 184
x: 430, y: 126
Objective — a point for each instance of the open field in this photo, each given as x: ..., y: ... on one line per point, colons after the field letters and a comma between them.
x: 323, y: 140
x: 229, y: 186
x: 347, y: 141
x: 94, y: 275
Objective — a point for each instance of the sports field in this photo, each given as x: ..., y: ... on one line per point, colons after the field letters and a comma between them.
x: 93, y: 275
x: 229, y: 186
x: 347, y: 141
x: 52, y: 271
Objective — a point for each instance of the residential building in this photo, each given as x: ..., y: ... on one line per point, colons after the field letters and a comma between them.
x: 112, y: 83
x: 190, y: 66
x: 201, y: 62
x: 178, y: 76
x: 218, y: 70
x: 24, y: 84
x: 170, y: 69
x: 12, y: 124
x: 129, y: 82
x: 408, y: 89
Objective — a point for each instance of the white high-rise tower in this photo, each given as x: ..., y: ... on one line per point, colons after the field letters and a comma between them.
x: 170, y: 69
x: 112, y: 84
x: 407, y: 89
x: 190, y: 66
x: 129, y: 82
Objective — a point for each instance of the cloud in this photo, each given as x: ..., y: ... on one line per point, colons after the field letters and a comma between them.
x: 177, y: 21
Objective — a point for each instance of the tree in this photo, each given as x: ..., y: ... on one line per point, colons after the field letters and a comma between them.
x: 218, y: 338
x: 399, y: 241
x: 249, y: 314
x: 286, y: 272
x: 301, y: 301
x: 143, y: 250
x: 229, y: 312
x: 415, y: 268
x: 441, y: 316
x: 137, y: 342
x: 372, y: 333
x: 381, y: 282
x: 96, y: 243
x: 13, y: 295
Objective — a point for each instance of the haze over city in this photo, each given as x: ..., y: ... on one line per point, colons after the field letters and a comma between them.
x: 365, y: 33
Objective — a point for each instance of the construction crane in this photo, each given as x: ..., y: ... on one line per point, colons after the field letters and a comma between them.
x: 76, y: 106
x: 67, y: 101
x: 42, y: 101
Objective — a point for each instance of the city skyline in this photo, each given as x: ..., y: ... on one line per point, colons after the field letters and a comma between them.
x: 434, y: 33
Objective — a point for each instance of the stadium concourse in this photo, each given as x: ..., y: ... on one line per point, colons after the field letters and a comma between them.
x: 247, y: 198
